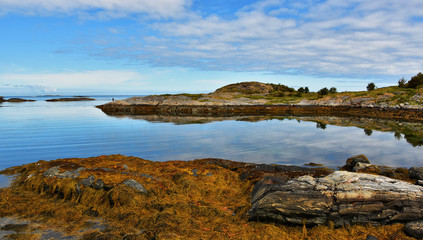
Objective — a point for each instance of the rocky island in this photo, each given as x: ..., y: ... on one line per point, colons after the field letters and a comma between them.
x: 255, y: 98
x: 71, y: 99
x: 119, y: 197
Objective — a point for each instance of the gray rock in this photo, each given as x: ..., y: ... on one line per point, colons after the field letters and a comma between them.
x: 98, y: 184
x: 135, y: 185
x: 341, y: 197
x: 414, y: 229
x: 52, y: 172
x: 361, y: 166
x: 71, y: 173
x: 87, y: 182
x: 55, y: 172
x: 416, y: 173
x: 194, y: 172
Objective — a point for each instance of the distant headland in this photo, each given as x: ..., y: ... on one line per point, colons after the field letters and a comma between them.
x: 254, y: 98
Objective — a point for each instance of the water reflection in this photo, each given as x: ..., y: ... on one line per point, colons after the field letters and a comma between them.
x: 412, y: 132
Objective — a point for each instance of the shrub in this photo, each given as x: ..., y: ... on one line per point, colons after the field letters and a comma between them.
x: 332, y: 90
x: 301, y: 90
x: 415, y: 81
x: 371, y: 87
x: 401, y: 83
x: 306, y: 90
x: 323, y: 91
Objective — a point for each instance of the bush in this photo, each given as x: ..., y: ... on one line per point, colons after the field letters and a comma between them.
x: 401, y: 83
x: 323, y: 91
x: 306, y: 90
x: 332, y: 90
x: 301, y: 90
x: 415, y: 81
x: 371, y: 87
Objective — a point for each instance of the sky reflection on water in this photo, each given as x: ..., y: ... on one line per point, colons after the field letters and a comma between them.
x: 44, y: 131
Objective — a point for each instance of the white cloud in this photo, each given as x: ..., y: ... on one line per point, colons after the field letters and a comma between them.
x: 354, y: 38
x: 88, y: 79
x: 96, y: 8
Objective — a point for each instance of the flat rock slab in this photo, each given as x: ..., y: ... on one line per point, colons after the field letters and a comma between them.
x: 341, y: 197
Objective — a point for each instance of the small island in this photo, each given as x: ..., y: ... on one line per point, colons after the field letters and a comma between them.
x: 15, y: 100
x: 254, y: 98
x: 70, y: 99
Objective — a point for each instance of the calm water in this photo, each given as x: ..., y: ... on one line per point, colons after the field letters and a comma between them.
x: 42, y: 130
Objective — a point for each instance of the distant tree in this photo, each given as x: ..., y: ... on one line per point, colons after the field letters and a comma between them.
x: 402, y: 83
x: 398, y: 135
x: 321, y: 125
x: 415, y: 81
x: 323, y: 91
x: 371, y: 87
x: 332, y: 90
x: 301, y: 90
x: 306, y: 90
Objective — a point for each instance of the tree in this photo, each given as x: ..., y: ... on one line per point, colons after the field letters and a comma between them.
x: 371, y: 86
x: 323, y: 91
x: 332, y: 90
x: 415, y: 81
x: 306, y: 90
x: 301, y: 90
x: 402, y: 83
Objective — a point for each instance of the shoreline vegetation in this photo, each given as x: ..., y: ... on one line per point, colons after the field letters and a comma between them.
x: 119, y: 197
x: 255, y: 98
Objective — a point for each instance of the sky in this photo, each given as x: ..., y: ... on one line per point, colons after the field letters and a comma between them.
x: 170, y: 46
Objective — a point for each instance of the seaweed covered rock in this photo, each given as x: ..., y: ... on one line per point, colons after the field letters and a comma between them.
x: 352, y: 162
x: 341, y: 197
x: 416, y: 173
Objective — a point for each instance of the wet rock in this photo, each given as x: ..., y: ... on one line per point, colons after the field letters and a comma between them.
x: 414, y: 229
x: 135, y: 185
x: 352, y: 161
x: 341, y: 197
x: 55, y: 172
x: 51, y: 172
x: 416, y: 173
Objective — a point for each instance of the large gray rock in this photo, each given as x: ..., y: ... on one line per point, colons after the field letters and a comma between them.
x: 135, y: 185
x: 342, y: 197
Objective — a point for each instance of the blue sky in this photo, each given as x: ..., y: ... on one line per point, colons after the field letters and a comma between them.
x: 144, y: 46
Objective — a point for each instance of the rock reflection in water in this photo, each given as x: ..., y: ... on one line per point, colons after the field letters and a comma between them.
x: 412, y: 132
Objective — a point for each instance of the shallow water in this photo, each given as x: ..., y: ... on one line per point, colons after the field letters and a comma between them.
x: 33, y: 131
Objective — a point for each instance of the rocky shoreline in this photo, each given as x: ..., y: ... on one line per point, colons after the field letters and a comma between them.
x: 133, y: 198
x: 116, y: 109
x: 254, y: 98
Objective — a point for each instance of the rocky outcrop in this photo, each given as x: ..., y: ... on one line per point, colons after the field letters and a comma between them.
x: 341, y: 197
x: 15, y: 100
x: 256, y: 110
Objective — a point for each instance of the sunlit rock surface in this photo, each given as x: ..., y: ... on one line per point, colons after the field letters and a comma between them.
x: 341, y: 197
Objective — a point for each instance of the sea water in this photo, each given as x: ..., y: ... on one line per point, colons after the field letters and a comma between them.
x: 40, y: 130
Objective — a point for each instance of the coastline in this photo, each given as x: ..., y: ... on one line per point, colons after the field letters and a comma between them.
x: 116, y: 109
